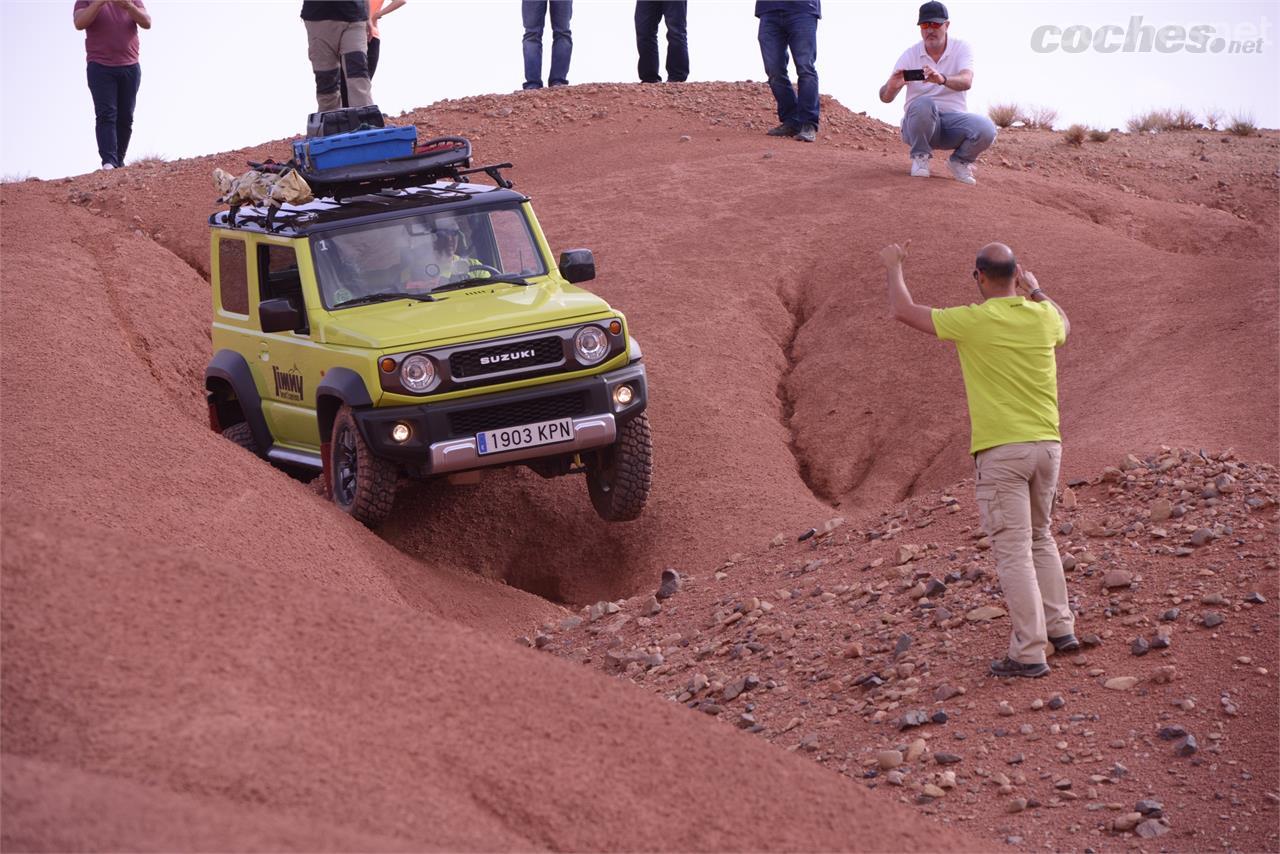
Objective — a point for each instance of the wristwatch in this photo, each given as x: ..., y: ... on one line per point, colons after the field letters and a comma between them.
x: 1037, y: 295
x: 944, y: 78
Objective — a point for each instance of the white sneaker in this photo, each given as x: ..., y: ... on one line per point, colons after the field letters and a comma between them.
x: 962, y: 171
x: 108, y: 166
x: 920, y: 166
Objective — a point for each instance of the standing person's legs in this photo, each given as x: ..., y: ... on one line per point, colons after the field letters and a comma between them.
x: 102, y: 86
x: 677, y: 17
x: 648, y: 13
x: 128, y: 79
x: 802, y: 34
x: 534, y: 14
x: 353, y: 44
x: 773, y: 50
x: 561, y: 42
x: 323, y: 39
x: 920, y: 127
x: 1059, y: 621
x: 967, y: 134
x: 1004, y: 503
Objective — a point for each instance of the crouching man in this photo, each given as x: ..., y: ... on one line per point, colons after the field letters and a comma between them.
x: 1006, y: 346
x: 936, y: 72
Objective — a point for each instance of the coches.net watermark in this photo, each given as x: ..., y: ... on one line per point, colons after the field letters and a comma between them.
x: 1240, y: 38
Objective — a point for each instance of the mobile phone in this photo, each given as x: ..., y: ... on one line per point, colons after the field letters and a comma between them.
x: 913, y: 74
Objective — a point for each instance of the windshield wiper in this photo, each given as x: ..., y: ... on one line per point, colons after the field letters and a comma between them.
x: 384, y: 296
x: 481, y: 280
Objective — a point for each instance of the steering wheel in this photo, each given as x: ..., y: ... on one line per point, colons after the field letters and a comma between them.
x: 477, y: 266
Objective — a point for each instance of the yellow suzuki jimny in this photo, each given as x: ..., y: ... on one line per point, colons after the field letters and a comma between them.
x: 407, y: 323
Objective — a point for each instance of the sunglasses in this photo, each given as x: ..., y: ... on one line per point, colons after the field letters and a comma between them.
x: 932, y: 25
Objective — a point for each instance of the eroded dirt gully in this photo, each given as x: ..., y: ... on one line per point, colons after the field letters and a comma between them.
x: 153, y: 572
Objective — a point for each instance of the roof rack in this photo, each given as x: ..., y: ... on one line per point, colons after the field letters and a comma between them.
x: 443, y: 157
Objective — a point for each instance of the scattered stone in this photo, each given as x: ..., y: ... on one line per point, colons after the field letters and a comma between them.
x: 1140, y: 647
x: 1212, y: 619
x: 986, y: 612
x: 1149, y: 808
x: 651, y: 607
x: 1201, y: 537
x: 916, y: 749
x: 1056, y: 702
x: 1255, y: 598
x: 1121, y: 683
x: 1117, y: 578
x: 932, y: 791
x: 740, y: 686
x: 946, y: 758
x: 1164, y: 675
x: 1186, y: 745
x: 894, y: 778
x: 1213, y: 599
x: 1062, y: 785
x: 670, y: 584
x: 903, y: 644
x: 853, y: 650
x: 912, y: 719
x: 940, y: 717
x: 1068, y: 563
x: 570, y: 623
x: 806, y: 535
x: 1151, y: 828
x: 1126, y: 823
x: 1160, y: 510
x: 1169, y: 733
x: 1016, y: 805
x: 887, y: 759
x: 1037, y: 704
x: 1005, y: 709
x: 1090, y: 639
x: 1170, y: 615
x: 945, y: 692
x: 934, y: 588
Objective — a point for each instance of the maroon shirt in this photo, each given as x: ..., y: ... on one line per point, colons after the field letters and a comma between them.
x: 112, y: 38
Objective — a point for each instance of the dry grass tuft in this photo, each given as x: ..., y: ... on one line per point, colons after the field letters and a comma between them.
x: 1212, y: 118
x: 1004, y: 115
x: 1041, y: 117
x: 1096, y: 135
x: 1183, y: 119
x: 1242, y: 125
x: 1074, y: 135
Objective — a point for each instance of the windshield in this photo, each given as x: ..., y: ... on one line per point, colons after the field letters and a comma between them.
x: 427, y: 252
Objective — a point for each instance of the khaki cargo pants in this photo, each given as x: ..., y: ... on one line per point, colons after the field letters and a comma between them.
x: 1015, y: 490
x: 337, y: 49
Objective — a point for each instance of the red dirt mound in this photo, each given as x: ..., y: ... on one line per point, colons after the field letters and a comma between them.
x: 180, y: 617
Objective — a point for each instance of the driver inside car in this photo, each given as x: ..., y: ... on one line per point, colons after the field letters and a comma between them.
x: 449, y: 263
x: 372, y: 262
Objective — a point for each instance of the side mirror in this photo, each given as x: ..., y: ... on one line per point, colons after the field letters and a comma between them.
x: 578, y: 265
x: 279, y: 315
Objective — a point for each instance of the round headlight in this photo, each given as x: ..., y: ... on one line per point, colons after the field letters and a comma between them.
x: 591, y: 344
x: 417, y: 373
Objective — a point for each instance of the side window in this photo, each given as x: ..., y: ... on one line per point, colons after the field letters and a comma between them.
x: 516, y: 249
x: 233, y: 278
x: 278, y: 277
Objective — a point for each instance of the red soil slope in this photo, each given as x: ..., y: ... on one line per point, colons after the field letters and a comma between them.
x: 182, y: 619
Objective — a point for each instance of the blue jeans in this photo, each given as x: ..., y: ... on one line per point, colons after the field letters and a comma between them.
x: 534, y: 13
x: 115, y: 92
x: 799, y: 32
x: 926, y: 130
x: 648, y: 14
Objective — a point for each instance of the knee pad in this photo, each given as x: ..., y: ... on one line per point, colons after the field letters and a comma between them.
x: 356, y: 64
x: 328, y: 81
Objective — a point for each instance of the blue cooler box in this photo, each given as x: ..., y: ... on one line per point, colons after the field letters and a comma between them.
x: 350, y: 149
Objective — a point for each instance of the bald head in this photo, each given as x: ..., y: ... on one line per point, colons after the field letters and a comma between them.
x: 996, y: 261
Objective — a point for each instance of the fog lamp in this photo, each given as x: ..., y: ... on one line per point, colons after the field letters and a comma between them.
x: 401, y: 432
x: 622, y: 395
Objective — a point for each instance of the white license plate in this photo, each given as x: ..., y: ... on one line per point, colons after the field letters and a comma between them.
x: 524, y: 436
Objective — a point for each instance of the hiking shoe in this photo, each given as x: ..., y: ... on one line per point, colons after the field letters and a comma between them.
x: 1009, y: 667
x: 783, y: 129
x: 963, y: 172
x: 807, y: 133
x: 920, y: 166
x: 1066, y: 643
x: 108, y: 166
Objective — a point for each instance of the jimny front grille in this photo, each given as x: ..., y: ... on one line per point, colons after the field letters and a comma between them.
x: 537, y: 353
x: 468, y: 422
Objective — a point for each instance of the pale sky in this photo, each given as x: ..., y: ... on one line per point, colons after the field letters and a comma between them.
x: 223, y: 74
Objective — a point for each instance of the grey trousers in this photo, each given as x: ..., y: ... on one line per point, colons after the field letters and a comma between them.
x: 927, y: 130
x: 1015, y: 489
x: 338, y: 49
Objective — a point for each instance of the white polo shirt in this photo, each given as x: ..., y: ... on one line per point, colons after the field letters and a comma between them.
x: 956, y: 58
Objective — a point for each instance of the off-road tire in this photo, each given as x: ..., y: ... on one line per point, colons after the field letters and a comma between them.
x: 618, y: 477
x: 242, y: 436
x: 364, y: 485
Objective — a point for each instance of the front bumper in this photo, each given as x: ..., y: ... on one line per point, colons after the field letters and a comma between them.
x: 443, y: 435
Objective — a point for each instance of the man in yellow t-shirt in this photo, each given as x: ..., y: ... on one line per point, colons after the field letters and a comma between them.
x: 1006, y: 347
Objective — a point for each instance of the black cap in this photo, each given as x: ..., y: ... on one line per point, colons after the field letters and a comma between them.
x: 933, y: 11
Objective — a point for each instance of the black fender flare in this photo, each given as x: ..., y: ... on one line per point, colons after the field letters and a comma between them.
x: 228, y: 371
x: 339, y: 386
